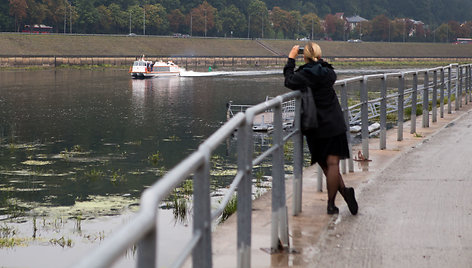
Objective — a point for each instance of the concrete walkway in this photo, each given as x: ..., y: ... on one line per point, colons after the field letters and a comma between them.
x: 415, y: 208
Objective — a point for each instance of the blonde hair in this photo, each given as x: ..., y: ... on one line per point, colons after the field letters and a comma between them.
x: 312, y: 51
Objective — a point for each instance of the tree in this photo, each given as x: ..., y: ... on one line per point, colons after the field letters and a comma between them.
x: 156, y: 19
x: 454, y: 30
x: 380, y: 28
x: 6, y: 21
x: 55, y: 11
x: 36, y: 13
x: 311, y: 26
x: 466, y: 29
x: 242, y: 5
x: 202, y: 18
x: 88, y: 16
x: 280, y: 20
x: 233, y: 22
x: 442, y: 33
x: 137, y: 14
x: 104, y: 19
x: 119, y: 19
x: 176, y: 21
x: 258, y: 18
x: 294, y: 24
x: 334, y: 27
x: 168, y: 4
x: 18, y: 10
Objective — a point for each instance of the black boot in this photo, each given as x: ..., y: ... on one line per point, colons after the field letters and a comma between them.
x: 350, y: 198
x: 332, y: 209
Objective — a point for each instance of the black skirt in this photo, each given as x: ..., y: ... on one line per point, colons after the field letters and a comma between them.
x: 320, y: 148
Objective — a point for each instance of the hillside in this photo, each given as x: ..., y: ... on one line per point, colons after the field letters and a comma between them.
x: 108, y: 45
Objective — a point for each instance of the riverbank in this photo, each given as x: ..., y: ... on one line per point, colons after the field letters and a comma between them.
x: 202, y: 64
x: 58, y: 49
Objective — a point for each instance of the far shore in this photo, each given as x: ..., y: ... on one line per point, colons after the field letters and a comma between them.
x: 216, y: 64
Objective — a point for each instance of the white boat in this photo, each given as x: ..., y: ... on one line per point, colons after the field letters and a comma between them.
x: 144, y: 68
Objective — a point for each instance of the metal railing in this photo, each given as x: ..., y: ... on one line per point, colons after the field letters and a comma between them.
x: 143, y: 230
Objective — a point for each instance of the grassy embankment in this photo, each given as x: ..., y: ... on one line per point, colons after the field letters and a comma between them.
x: 341, y: 53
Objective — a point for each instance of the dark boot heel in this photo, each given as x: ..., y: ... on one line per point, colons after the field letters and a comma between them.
x: 332, y: 209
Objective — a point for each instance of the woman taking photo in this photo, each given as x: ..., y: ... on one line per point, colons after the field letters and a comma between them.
x: 328, y: 142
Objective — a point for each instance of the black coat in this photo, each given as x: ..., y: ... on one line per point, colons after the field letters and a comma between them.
x: 318, y: 76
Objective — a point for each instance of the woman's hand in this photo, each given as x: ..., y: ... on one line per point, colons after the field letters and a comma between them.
x: 294, y: 52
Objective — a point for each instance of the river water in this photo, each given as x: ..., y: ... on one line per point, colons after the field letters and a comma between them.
x: 78, y: 147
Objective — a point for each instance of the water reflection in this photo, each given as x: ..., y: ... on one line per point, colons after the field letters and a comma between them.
x: 93, y: 133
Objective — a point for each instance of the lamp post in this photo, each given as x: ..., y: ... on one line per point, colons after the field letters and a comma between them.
x: 312, y: 22
x: 65, y: 17
x: 248, y: 25
x: 205, y: 23
x: 70, y: 17
x: 144, y: 20
x: 262, y: 26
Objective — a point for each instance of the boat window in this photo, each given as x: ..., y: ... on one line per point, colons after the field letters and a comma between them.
x: 136, y: 63
x: 162, y: 69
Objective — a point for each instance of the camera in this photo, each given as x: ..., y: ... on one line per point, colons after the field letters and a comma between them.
x: 301, y: 49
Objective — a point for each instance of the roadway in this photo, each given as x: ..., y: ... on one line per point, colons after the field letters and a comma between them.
x: 415, y: 208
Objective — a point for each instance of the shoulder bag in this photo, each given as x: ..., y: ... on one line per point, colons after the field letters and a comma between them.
x: 309, y: 120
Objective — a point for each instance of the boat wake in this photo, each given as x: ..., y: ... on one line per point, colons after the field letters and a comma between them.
x: 184, y: 73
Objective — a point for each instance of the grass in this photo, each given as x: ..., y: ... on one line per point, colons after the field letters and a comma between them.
x: 57, y: 44
x: 93, y: 174
x: 11, y: 242
x: 180, y: 210
x: 8, y: 239
x: 155, y: 158
x: 230, y: 208
x: 63, y: 242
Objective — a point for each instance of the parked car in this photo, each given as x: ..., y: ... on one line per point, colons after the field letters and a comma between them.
x: 354, y: 41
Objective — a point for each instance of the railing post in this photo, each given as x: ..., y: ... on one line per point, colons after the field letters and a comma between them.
x: 426, y: 100
x: 279, y: 209
x: 434, y: 101
x: 468, y: 81
x: 201, y: 255
x: 297, y: 161
x: 449, y: 93
x: 459, y: 76
x: 414, y: 101
x: 441, y: 97
x: 383, y: 113
x: 401, y: 92
x: 458, y: 96
x: 244, y: 195
x: 465, y: 85
x: 147, y: 250
x: 364, y: 118
x: 319, y: 177
x: 345, y: 109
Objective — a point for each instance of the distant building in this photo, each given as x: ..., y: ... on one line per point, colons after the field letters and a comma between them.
x: 414, y: 29
x: 339, y: 15
x: 353, y: 21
